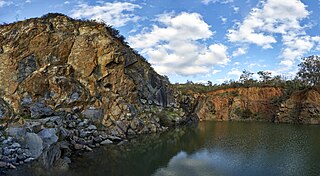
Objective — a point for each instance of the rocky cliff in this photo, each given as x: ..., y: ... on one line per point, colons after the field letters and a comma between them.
x: 254, y: 103
x: 301, y: 107
x: 78, y: 83
x: 260, y: 104
x: 55, y: 64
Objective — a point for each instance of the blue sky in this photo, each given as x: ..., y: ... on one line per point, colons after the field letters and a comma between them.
x: 199, y: 40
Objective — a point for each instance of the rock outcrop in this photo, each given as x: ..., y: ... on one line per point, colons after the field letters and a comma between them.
x: 53, y: 65
x: 254, y: 103
x: 301, y: 107
x: 69, y: 80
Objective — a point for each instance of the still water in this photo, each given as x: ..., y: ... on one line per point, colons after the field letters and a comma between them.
x: 210, y: 148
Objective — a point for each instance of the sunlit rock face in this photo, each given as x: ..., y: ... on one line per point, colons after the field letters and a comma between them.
x: 55, y: 65
x: 260, y: 104
x: 301, y: 107
x: 254, y: 103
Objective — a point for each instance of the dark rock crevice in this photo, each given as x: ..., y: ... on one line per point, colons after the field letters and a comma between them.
x: 26, y: 67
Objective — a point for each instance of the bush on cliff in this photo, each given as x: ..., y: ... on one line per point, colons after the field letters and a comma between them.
x: 168, y: 117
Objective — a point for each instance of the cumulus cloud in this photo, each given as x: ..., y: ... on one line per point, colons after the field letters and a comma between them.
x: 215, y: 71
x: 235, y: 72
x: 271, y: 18
x: 173, y: 46
x: 240, y: 51
x: 116, y: 14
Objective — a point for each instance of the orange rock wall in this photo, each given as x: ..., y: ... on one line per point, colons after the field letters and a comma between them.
x: 233, y: 103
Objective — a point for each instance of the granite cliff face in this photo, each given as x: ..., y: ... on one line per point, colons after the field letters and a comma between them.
x: 254, y: 103
x: 55, y: 65
x: 301, y: 107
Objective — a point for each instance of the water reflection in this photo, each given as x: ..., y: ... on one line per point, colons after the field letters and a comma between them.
x: 210, y: 148
x: 250, y: 149
x: 200, y: 163
x: 140, y: 156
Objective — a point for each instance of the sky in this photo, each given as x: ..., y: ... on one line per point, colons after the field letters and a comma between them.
x: 199, y: 40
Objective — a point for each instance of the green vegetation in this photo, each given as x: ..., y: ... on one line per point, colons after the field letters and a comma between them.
x: 309, y: 72
x: 276, y: 81
x: 168, y: 117
x: 54, y: 15
x: 308, y: 75
x: 244, y: 114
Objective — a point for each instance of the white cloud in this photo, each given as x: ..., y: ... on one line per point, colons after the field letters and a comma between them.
x: 214, y: 55
x: 216, y: 1
x: 116, y: 14
x: 255, y: 65
x: 223, y: 19
x: 4, y: 3
x: 236, y: 9
x: 215, y: 71
x: 240, y: 51
x: 296, y: 47
x: 317, y: 41
x: 174, y: 48
x: 272, y: 18
x: 222, y: 80
x: 235, y: 71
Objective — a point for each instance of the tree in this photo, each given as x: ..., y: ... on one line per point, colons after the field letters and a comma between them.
x: 246, y: 76
x: 115, y: 33
x: 309, y: 71
x: 209, y: 83
x: 265, y: 76
x: 189, y: 82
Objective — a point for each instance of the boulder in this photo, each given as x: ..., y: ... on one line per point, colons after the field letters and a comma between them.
x: 93, y: 114
x: 34, y: 143
x: 39, y: 109
x: 16, y: 132
x: 92, y: 127
x: 48, y: 136
x: 106, y: 142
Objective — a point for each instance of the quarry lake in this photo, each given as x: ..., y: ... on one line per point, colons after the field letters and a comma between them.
x: 208, y: 148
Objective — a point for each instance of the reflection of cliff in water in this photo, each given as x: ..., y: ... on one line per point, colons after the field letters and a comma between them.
x: 142, y: 155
